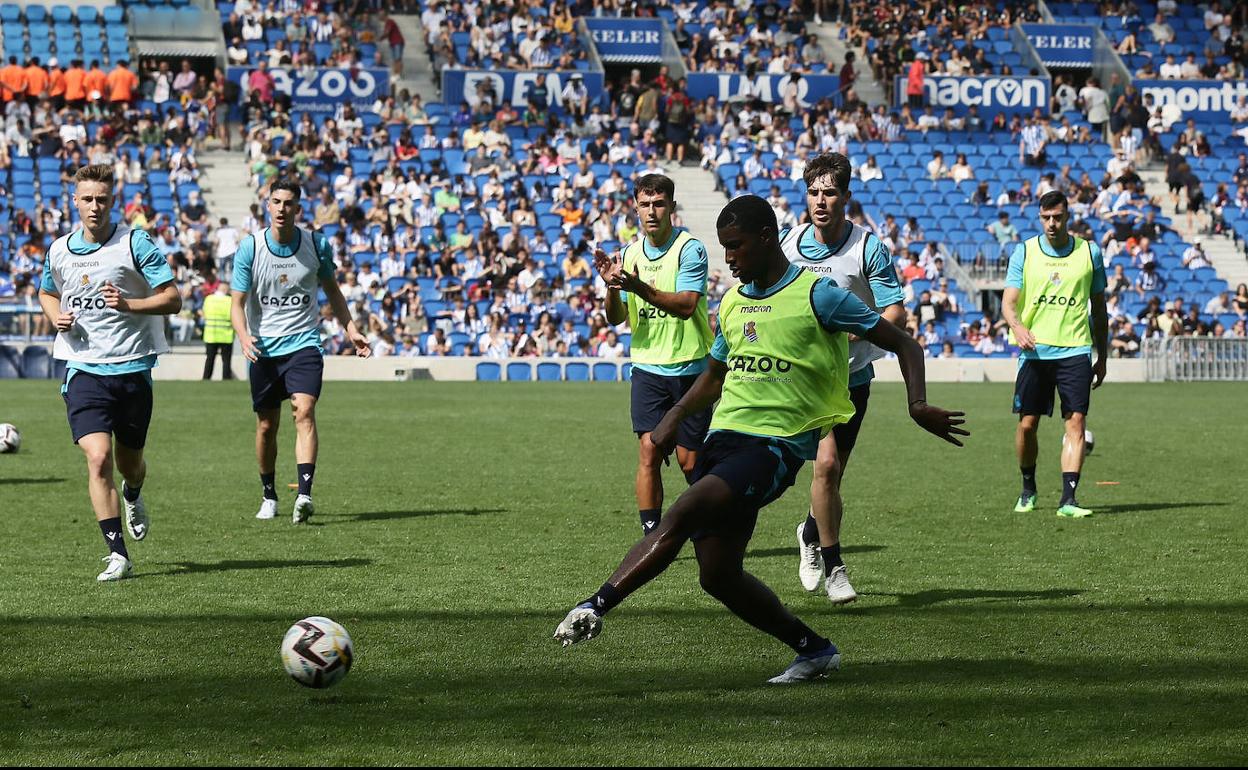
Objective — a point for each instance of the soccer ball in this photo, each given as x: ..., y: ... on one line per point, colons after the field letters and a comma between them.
x: 317, y: 652
x: 10, y: 439
x: 1089, y: 441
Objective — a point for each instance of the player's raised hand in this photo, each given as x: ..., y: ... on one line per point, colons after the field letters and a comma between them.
x: 64, y: 322
x: 362, y: 348
x: 938, y: 422
x: 610, y: 268
x: 113, y: 298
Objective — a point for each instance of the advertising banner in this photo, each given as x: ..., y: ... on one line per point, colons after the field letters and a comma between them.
x: 1062, y: 45
x: 325, y: 90
x: 627, y: 40
x: 1199, y: 99
x: 733, y: 86
x: 513, y: 86
x: 991, y: 94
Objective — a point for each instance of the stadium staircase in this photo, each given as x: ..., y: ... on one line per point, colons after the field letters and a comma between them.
x: 226, y: 184
x: 829, y: 37
x: 1227, y: 256
x: 699, y: 204
x: 418, y: 75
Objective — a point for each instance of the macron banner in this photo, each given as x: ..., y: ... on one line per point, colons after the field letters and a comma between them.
x: 1199, y: 99
x: 325, y: 90
x: 990, y: 94
x: 1062, y: 45
x: 634, y: 41
x: 514, y: 86
x: 730, y: 87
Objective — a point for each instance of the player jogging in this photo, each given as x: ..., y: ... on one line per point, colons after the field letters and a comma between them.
x: 780, y: 371
x: 276, y: 276
x: 1051, y: 280
x: 855, y: 259
x: 660, y: 289
x: 105, y: 287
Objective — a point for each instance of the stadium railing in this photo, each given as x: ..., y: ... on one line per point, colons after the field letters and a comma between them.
x: 1196, y: 359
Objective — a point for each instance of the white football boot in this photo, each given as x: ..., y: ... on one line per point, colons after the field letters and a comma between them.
x: 809, y: 562
x: 136, y: 515
x: 303, y: 509
x: 119, y: 568
x: 806, y: 668
x: 268, y: 509
x: 581, y: 625
x: 838, y: 587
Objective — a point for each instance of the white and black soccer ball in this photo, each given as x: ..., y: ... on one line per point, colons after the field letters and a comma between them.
x: 1089, y: 442
x: 10, y: 438
x: 317, y: 652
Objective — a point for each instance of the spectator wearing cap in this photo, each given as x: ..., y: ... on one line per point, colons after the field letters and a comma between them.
x: 575, y: 97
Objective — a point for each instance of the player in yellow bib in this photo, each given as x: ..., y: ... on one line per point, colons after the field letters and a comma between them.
x: 659, y: 287
x: 780, y: 370
x: 1053, y: 279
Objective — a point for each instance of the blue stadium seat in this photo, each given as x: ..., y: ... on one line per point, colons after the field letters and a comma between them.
x: 549, y: 371
x: 36, y: 363
x: 520, y: 371
x: 605, y: 371
x: 576, y: 371
x: 9, y: 363
x: 489, y: 371
x: 626, y: 372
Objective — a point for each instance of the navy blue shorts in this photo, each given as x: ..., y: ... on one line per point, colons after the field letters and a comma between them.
x: 1072, y: 378
x: 847, y: 432
x: 118, y: 404
x: 756, y: 469
x: 654, y: 394
x: 274, y: 379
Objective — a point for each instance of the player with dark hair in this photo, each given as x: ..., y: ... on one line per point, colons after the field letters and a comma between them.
x: 1053, y: 278
x: 659, y: 287
x: 276, y: 316
x: 855, y: 259
x: 779, y: 369
x: 105, y: 288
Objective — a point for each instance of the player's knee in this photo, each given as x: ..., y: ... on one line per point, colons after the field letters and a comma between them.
x: 648, y: 453
x: 304, y: 414
x: 267, y: 426
x: 828, y: 472
x: 1029, y: 422
x: 99, y: 463
x: 717, y: 580
x: 1075, y: 422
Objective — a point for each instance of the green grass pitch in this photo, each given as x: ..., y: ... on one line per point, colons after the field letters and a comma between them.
x: 457, y: 523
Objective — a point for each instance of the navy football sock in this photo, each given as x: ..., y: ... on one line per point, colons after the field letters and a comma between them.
x: 605, y: 600
x: 270, y: 488
x: 1070, y: 485
x: 810, y: 530
x: 306, y: 472
x: 831, y: 558
x: 130, y: 493
x: 1029, y: 480
x: 649, y: 519
x: 111, y: 529
x: 803, y: 639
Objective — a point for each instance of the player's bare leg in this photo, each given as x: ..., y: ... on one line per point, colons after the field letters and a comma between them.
x: 98, y: 450
x: 267, y: 422
x: 1072, y: 466
x: 1027, y: 447
x: 133, y: 470
x: 303, y: 409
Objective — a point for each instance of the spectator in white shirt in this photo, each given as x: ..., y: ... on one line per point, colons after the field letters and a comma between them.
x: 1162, y: 32
x: 1189, y: 69
x: 1194, y: 257
x: 1170, y: 70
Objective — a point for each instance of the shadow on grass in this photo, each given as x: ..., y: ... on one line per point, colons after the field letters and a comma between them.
x: 765, y: 553
x: 45, y: 480
x: 395, y: 515
x: 1113, y: 510
x: 234, y: 565
x: 940, y: 595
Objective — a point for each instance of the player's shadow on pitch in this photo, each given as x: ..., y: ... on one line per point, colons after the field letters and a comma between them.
x: 45, y: 480
x: 1114, y: 510
x: 940, y: 595
x: 352, y: 518
x: 766, y: 553
x: 234, y: 565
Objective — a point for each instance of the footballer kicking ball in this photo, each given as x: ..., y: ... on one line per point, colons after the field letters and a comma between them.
x: 10, y: 438
x: 317, y: 652
x: 1089, y: 441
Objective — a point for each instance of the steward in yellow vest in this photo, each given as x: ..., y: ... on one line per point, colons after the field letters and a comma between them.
x: 218, y: 331
x: 780, y: 368
x: 1054, y: 303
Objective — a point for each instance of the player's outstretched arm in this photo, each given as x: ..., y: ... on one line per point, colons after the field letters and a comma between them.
x: 705, y: 391
x: 338, y: 304
x: 932, y: 419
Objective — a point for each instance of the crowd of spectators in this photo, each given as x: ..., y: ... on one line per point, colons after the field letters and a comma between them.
x: 519, y: 35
